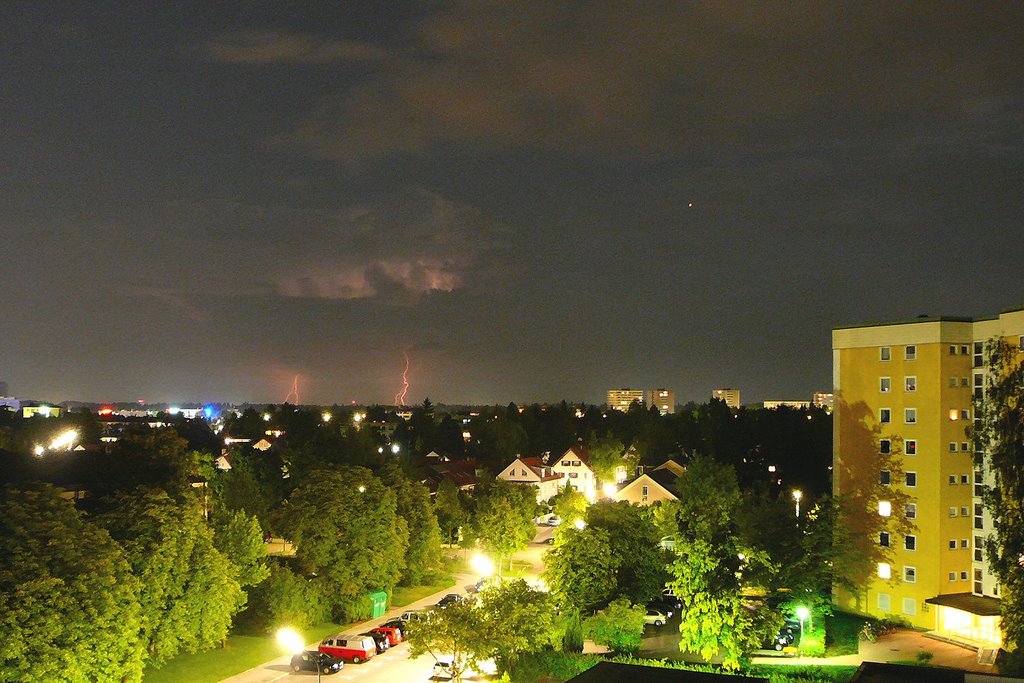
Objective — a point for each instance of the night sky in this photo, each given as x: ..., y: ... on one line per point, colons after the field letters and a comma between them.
x: 535, y: 201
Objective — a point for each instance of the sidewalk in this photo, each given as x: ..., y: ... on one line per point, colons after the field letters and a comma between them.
x: 278, y: 668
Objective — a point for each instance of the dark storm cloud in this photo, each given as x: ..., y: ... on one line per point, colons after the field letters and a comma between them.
x: 267, y: 47
x: 660, y: 78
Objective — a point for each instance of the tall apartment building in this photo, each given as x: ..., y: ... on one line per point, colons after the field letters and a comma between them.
x: 906, y: 390
x: 730, y: 396
x: 822, y: 399
x: 619, y: 399
x: 663, y: 399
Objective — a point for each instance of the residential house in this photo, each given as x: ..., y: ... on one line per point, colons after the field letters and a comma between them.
x: 533, y: 472
x: 574, y: 465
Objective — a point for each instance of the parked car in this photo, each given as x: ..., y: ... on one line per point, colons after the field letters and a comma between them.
x: 312, y: 660
x: 791, y: 626
x: 381, y: 640
x: 782, y: 640
x: 442, y: 670
x: 665, y: 605
x: 355, y: 648
x: 656, y: 617
x: 413, y: 615
x: 450, y: 599
x: 550, y: 520
x: 393, y: 630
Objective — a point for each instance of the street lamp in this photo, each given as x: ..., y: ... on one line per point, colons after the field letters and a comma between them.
x: 482, y: 565
x: 797, y: 495
x: 291, y: 642
x: 802, y: 613
x: 610, y: 490
x: 580, y: 524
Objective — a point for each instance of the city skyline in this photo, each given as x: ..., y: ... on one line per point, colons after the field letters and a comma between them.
x: 204, y: 202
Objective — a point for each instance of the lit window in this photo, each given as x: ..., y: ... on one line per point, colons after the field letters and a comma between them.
x: 911, y: 352
x: 910, y: 415
x: 910, y: 478
x: 885, y: 353
x: 910, y: 446
x: 910, y: 542
x: 910, y: 574
x: 910, y: 383
x: 884, y: 571
x: 911, y: 511
x: 954, y: 414
x: 885, y: 384
x: 884, y: 508
x: 885, y: 415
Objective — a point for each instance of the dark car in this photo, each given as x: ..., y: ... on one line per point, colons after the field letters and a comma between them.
x: 450, y: 599
x: 381, y: 640
x: 311, y: 660
x: 392, y: 631
x: 782, y: 640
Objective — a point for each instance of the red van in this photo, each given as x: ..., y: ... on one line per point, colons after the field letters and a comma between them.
x: 353, y: 648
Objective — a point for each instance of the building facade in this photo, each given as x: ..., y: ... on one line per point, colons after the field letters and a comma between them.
x: 663, y: 399
x: 620, y: 399
x: 906, y: 392
x: 730, y: 396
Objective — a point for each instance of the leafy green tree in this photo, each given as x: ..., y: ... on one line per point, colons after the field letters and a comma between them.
x: 344, y: 525
x: 189, y: 595
x: 1002, y: 437
x: 69, y: 603
x: 240, y: 539
x: 504, y: 519
x: 520, y: 619
x: 606, y: 455
x: 455, y: 634
x: 581, y: 569
x: 423, y: 555
x: 451, y: 514
x: 710, y: 564
x: 634, y: 541
x: 286, y: 599
x: 569, y: 504
x: 154, y: 458
x: 620, y: 626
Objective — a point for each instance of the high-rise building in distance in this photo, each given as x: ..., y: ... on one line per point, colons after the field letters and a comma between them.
x: 620, y: 399
x: 730, y: 396
x: 663, y: 399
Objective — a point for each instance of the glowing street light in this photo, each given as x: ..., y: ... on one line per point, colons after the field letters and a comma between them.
x: 326, y: 417
x: 802, y: 613
x: 64, y: 441
x: 395, y: 448
x: 580, y: 524
x: 362, y: 488
x: 291, y: 642
x: 39, y: 450
x: 482, y: 565
x: 610, y: 490
x: 797, y: 495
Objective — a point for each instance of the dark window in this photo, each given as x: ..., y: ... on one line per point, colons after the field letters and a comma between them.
x: 883, y: 539
x: 885, y: 477
x: 910, y: 542
x: 885, y: 446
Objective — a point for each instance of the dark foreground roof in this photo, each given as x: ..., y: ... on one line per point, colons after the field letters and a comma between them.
x: 981, y: 605
x: 613, y: 672
x: 875, y: 672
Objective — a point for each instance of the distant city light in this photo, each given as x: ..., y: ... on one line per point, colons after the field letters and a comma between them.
x: 64, y: 441
x: 266, y: 417
x: 38, y: 450
x: 174, y: 410
x: 326, y: 417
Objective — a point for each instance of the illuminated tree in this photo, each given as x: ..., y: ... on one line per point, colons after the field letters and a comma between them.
x: 1002, y: 437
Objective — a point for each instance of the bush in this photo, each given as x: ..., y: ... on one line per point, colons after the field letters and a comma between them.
x: 286, y: 599
x: 620, y: 626
x: 572, y: 640
x: 550, y: 664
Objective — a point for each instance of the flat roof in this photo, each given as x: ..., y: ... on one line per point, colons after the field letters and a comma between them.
x: 981, y: 605
x: 911, y: 321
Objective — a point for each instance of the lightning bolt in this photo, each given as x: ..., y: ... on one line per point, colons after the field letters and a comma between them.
x: 294, y: 391
x: 400, y: 396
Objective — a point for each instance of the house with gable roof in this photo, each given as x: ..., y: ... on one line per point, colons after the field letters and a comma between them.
x: 533, y: 472
x: 575, y: 466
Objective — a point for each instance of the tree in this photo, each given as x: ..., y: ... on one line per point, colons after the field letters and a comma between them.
x: 634, y: 541
x: 451, y: 514
x: 620, y: 626
x: 569, y: 504
x: 606, y: 455
x: 707, y: 573
x: 69, y: 603
x: 1002, y: 437
x: 520, y: 620
x: 413, y: 505
x: 240, y: 539
x: 504, y: 519
x: 581, y: 569
x: 454, y: 634
x: 344, y: 525
x: 189, y: 595
x: 286, y: 599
